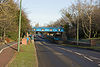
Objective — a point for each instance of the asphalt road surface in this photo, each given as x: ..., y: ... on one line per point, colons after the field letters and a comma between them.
x: 53, y: 55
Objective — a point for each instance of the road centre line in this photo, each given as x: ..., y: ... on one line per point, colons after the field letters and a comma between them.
x: 78, y: 54
x: 45, y: 42
x: 55, y: 52
x: 99, y: 65
x: 60, y: 56
x: 65, y: 49
x: 87, y: 58
x: 61, y: 48
x: 94, y: 58
x: 90, y: 59
x: 74, y: 53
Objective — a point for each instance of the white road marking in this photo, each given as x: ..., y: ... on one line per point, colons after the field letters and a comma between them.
x: 94, y: 58
x: 87, y: 58
x: 55, y: 52
x: 77, y: 53
x: 58, y: 53
x: 40, y: 43
x: 65, y: 49
x: 6, y: 48
x: 69, y: 50
x: 44, y: 42
x: 98, y: 64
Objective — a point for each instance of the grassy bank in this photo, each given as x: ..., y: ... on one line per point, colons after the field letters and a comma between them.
x: 85, y: 47
x: 25, y: 58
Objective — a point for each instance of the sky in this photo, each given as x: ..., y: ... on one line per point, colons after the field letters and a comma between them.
x: 44, y: 11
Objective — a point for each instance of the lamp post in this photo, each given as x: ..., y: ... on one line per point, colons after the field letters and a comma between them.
x: 78, y: 31
x: 19, y: 25
x: 77, y: 27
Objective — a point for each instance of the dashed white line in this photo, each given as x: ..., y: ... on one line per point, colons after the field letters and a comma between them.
x: 77, y: 53
x: 69, y: 50
x: 45, y: 42
x: 80, y: 54
x: 87, y: 58
x: 58, y: 53
x: 94, y: 58
x: 55, y: 52
x: 99, y: 65
x: 65, y: 49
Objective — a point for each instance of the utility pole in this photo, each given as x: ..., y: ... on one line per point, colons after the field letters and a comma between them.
x: 19, y: 25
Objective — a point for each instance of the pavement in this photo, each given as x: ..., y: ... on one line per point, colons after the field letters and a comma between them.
x: 53, y: 55
x: 7, y: 51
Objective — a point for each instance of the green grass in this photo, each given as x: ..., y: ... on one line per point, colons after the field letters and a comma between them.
x: 25, y: 58
x: 88, y: 47
x: 98, y: 41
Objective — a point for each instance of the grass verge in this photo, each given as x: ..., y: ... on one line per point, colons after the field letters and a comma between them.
x: 85, y: 47
x: 25, y: 58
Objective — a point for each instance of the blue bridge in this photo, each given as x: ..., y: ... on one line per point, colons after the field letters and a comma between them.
x: 51, y: 33
x: 48, y: 29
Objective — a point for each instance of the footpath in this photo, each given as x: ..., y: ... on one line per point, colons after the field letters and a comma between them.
x: 6, y: 54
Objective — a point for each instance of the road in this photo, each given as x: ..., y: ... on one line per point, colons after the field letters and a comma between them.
x: 53, y: 55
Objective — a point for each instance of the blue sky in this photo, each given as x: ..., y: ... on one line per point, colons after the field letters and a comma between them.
x: 44, y: 11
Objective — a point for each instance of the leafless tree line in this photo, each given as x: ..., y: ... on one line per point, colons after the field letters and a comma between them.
x: 86, y: 13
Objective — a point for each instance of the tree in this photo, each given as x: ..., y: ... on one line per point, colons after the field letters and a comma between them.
x: 9, y: 17
x: 37, y: 25
x: 8, y: 13
x: 82, y: 16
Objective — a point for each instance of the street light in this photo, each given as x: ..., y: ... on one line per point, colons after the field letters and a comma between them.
x: 19, y: 25
x: 77, y: 34
x: 78, y: 31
